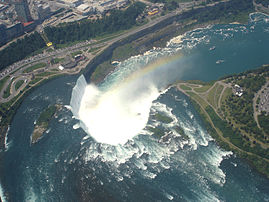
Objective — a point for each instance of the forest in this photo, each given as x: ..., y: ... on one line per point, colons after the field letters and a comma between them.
x: 263, y: 2
x: 20, y: 49
x: 76, y: 31
x: 224, y: 10
x: 117, y: 20
x: 84, y: 30
x: 241, y: 108
x: 264, y: 120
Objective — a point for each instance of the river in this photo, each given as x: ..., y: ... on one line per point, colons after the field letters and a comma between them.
x: 68, y: 164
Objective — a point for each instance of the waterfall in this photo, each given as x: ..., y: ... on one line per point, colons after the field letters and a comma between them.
x: 77, y: 94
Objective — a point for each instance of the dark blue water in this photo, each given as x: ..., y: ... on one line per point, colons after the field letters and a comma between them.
x: 67, y: 165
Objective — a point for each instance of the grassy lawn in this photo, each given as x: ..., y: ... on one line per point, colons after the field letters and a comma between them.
x: 7, y: 90
x: 226, y: 93
x: 57, y: 60
x: 235, y: 139
x: 122, y: 52
x: 18, y: 84
x: 101, y: 71
x: 110, y: 36
x: 213, y: 95
x: 35, y: 81
x: 3, y: 81
x: 76, y: 53
x: 93, y: 49
x: 198, y: 99
x: 34, y: 67
x: 184, y: 87
x: 242, y: 18
x: 43, y: 74
x: 202, y: 89
x: 218, y: 92
x: 59, y: 46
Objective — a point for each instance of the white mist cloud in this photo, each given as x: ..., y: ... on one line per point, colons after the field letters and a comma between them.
x: 115, y: 115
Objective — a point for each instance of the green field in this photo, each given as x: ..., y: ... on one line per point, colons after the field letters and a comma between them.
x: 45, y: 74
x: 57, y: 60
x: 123, y: 52
x: 76, y: 53
x: 18, y: 84
x: 184, y: 87
x: 101, y: 71
x: 92, y: 50
x: 3, y: 81
x: 214, y: 95
x: 7, y: 90
x: 35, y: 81
x: 34, y: 67
x: 202, y: 89
x: 232, y: 123
x: 198, y: 99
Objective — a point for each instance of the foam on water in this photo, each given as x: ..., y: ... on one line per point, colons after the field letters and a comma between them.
x: 117, y: 110
x: 146, y: 156
x: 7, y: 143
x: 2, y: 196
x: 130, y: 150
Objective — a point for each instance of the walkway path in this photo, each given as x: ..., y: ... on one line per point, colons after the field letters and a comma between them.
x: 201, y: 95
x: 256, y: 96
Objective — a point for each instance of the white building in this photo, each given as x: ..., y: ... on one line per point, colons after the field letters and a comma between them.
x: 86, y: 9
x: 238, y: 90
x: 71, y: 3
x: 43, y: 11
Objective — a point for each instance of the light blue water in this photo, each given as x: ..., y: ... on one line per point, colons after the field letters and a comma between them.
x: 67, y: 165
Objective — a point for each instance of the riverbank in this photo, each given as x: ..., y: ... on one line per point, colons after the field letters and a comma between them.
x: 233, y: 127
x: 159, y: 34
x: 156, y: 33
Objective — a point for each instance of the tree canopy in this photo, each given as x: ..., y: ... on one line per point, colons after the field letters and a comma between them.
x: 20, y: 49
x: 87, y: 29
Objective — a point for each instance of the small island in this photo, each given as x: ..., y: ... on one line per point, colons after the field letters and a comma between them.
x: 235, y: 111
x: 159, y: 132
x: 42, y: 122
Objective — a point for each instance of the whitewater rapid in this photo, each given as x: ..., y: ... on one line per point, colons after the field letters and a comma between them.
x: 151, y: 166
x: 118, y: 110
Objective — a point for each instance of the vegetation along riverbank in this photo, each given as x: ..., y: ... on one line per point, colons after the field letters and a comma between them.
x: 233, y: 115
x: 139, y: 41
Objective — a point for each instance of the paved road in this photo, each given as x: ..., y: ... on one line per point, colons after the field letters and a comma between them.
x: 256, y: 96
x: 203, y: 97
x: 17, y: 67
x: 78, y: 46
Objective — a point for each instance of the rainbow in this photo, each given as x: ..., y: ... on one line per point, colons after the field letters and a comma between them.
x: 156, y: 65
x: 117, y: 114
